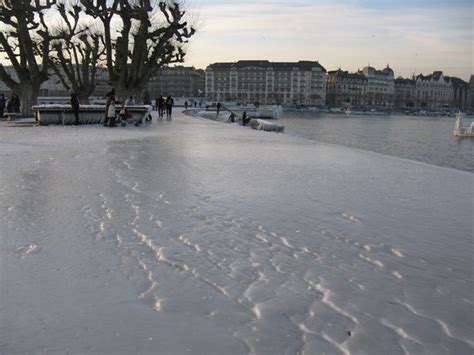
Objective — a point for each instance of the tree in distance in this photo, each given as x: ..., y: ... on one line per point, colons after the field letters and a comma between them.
x: 76, y: 51
x: 25, y: 39
x: 149, y: 35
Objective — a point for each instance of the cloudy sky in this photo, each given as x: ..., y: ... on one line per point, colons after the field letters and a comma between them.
x: 411, y: 35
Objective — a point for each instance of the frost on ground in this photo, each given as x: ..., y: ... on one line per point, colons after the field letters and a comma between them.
x: 192, y: 236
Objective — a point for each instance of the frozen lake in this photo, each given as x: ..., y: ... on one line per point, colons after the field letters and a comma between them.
x: 197, y: 237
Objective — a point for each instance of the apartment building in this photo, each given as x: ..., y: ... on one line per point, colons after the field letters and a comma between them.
x: 380, y: 87
x: 470, y: 95
x: 178, y: 81
x: 265, y: 82
x: 405, y: 93
x: 433, y: 91
x: 344, y: 89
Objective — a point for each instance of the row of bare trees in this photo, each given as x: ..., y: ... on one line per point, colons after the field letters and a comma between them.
x: 132, y: 39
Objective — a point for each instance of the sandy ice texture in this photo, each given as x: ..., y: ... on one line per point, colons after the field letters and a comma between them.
x: 198, y: 237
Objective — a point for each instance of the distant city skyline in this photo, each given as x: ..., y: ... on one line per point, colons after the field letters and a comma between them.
x: 418, y: 36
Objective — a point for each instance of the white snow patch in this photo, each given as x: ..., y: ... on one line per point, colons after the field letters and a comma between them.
x: 397, y: 275
x: 375, y: 262
x: 397, y: 252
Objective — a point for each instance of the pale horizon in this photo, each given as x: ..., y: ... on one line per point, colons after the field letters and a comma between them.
x: 413, y: 37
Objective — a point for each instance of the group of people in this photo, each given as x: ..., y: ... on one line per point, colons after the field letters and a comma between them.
x: 10, y: 106
x: 111, y: 116
x: 164, y: 106
x: 186, y: 104
x: 110, y: 119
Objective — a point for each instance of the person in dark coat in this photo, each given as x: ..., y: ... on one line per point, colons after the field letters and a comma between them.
x: 2, y: 105
x: 15, y: 103
x: 169, y: 106
x: 161, y: 106
x: 218, y: 107
x: 75, y: 107
x: 244, y: 118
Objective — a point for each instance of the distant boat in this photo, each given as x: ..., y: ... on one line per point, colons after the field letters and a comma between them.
x: 460, y: 131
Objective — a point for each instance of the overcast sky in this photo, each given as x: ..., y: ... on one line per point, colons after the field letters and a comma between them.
x: 413, y: 36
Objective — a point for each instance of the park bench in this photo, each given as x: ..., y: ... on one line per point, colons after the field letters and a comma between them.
x: 88, y: 114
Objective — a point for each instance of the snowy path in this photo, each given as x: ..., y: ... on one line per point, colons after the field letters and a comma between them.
x: 199, y: 237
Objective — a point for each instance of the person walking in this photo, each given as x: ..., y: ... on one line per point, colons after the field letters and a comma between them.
x: 110, y: 109
x: 161, y: 106
x: 218, y: 107
x: 2, y: 105
x: 75, y: 107
x: 15, y: 103
x: 169, y: 106
x: 244, y: 118
x: 186, y: 104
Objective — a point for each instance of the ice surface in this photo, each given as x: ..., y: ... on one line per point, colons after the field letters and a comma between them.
x: 193, y: 236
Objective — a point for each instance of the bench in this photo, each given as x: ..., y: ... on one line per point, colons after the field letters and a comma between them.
x: 88, y: 114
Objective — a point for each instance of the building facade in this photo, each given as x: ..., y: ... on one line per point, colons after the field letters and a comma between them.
x: 460, y: 95
x: 175, y: 81
x: 250, y: 81
x: 433, y: 91
x: 380, y: 87
x: 405, y: 93
x: 178, y: 81
x: 344, y: 89
x: 470, y: 95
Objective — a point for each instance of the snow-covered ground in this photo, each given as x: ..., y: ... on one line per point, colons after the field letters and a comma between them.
x: 197, y: 237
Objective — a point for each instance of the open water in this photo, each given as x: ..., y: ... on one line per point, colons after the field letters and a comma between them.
x: 426, y: 139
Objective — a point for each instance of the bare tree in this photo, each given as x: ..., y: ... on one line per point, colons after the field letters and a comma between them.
x: 147, y: 39
x: 26, y: 42
x: 77, y: 52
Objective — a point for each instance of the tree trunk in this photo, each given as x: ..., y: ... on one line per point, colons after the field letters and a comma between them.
x: 123, y: 93
x: 83, y: 96
x: 83, y: 100
x: 28, y: 94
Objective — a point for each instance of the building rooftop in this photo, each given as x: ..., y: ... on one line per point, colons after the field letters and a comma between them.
x: 456, y: 81
x: 401, y: 80
x: 345, y: 74
x: 372, y: 71
x: 265, y: 64
x: 436, y: 76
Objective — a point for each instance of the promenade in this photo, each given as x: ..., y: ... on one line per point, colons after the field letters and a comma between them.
x: 191, y: 236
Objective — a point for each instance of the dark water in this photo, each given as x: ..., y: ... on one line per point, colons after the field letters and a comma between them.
x: 425, y: 139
